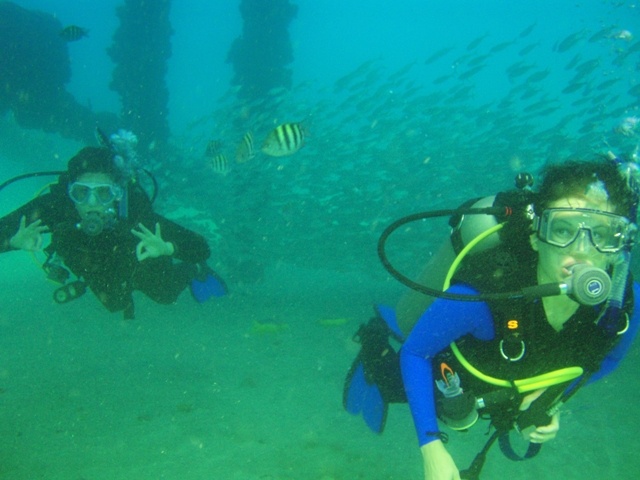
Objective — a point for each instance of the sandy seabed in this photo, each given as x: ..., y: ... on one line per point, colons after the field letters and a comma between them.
x: 194, y: 392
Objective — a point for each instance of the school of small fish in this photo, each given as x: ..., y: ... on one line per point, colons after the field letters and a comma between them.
x: 332, y: 165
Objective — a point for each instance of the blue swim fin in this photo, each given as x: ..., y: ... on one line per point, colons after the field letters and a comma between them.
x: 374, y: 379
x: 207, y: 285
x: 361, y: 397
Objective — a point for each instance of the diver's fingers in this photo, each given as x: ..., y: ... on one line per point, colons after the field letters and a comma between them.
x: 144, y: 229
x: 138, y: 234
x: 144, y: 234
x: 38, y: 242
x: 141, y: 254
x: 529, y: 399
x: 34, y: 224
x: 553, y: 427
x: 158, y: 231
x: 546, y: 432
x: 36, y: 227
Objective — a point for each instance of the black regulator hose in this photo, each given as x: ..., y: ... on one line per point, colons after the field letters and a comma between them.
x: 500, y: 212
x: 154, y: 195
x: 29, y: 175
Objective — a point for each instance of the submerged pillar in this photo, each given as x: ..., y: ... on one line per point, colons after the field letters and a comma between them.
x: 262, y: 52
x: 141, y: 47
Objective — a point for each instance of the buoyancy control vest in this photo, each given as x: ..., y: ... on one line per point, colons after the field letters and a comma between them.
x: 525, y: 344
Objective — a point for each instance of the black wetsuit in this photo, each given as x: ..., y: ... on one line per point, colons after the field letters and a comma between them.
x: 107, y: 262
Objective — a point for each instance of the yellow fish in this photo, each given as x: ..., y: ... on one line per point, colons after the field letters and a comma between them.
x: 285, y: 139
x: 268, y: 328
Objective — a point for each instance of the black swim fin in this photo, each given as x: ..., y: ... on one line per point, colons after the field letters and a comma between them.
x: 374, y: 379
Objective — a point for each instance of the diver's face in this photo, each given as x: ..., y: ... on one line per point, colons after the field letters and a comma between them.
x: 555, y: 263
x: 94, y: 193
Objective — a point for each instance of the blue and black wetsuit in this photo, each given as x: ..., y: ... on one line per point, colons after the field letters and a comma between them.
x: 447, y: 321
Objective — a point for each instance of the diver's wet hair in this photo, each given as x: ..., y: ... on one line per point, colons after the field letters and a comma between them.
x: 571, y: 178
x: 92, y: 160
x: 575, y: 178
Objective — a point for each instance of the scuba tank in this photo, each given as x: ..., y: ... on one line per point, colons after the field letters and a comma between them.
x: 468, y: 222
x: 464, y: 228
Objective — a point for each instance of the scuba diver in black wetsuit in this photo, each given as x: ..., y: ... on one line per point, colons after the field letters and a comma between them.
x: 543, y: 310
x: 104, y: 231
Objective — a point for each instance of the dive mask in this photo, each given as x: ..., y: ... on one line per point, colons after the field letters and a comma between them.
x: 608, y: 232
x: 102, y: 193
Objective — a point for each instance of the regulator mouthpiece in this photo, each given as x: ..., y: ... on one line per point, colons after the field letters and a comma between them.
x: 94, y: 223
x: 588, y: 285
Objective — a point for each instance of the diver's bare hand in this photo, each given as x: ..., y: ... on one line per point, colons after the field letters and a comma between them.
x: 151, y: 244
x: 544, y: 433
x: 437, y: 462
x: 28, y: 237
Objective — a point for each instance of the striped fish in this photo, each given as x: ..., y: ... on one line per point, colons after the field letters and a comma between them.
x: 245, y: 152
x: 285, y: 139
x: 73, y: 33
x: 220, y: 164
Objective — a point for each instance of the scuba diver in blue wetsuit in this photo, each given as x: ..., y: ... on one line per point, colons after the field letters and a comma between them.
x: 541, y: 304
x: 105, y: 232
